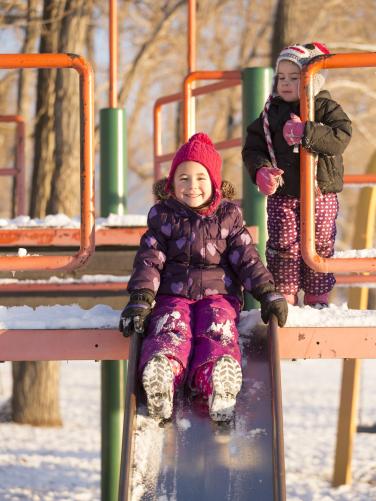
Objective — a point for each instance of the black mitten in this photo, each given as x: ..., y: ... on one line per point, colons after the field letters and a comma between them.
x: 274, y: 303
x: 135, y: 315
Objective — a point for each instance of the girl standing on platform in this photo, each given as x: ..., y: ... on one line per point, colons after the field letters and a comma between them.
x: 271, y: 155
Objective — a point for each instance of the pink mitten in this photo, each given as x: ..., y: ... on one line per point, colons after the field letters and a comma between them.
x: 267, y: 179
x: 293, y: 130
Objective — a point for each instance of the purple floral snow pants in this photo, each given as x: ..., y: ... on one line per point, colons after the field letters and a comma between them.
x: 283, y: 246
x: 193, y: 332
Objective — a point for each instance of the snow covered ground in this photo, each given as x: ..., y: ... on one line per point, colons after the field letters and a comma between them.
x: 63, y: 464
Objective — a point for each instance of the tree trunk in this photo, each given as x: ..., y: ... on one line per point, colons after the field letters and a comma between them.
x: 44, y: 145
x: 65, y: 187
x: 35, y: 397
x: 283, y: 27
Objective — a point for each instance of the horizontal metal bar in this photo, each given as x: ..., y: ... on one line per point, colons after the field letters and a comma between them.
x: 70, y: 237
x: 8, y: 172
x: 108, y: 344
x: 327, y: 342
x: 69, y: 344
x: 57, y: 287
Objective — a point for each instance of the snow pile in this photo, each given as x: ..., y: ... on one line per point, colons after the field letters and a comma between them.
x: 58, y: 317
x: 104, y: 317
x: 334, y: 316
x: 63, y: 221
x: 57, y: 280
x: 63, y: 464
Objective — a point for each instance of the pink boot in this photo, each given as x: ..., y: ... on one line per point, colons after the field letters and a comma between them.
x: 291, y: 298
x: 203, y: 380
x: 317, y: 301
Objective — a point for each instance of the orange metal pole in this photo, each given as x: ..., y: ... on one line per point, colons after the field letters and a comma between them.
x: 359, y: 178
x: 113, y: 42
x: 355, y: 279
x: 187, y: 92
x: 228, y: 143
x: 191, y: 59
x: 13, y: 61
x: 191, y: 43
x: 307, y: 174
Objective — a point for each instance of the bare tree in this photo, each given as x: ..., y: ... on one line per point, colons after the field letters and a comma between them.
x: 65, y: 186
x: 35, y: 398
x: 283, y: 27
x: 44, y: 141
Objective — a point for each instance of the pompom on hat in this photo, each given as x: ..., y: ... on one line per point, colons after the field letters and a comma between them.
x: 300, y: 55
x: 199, y: 149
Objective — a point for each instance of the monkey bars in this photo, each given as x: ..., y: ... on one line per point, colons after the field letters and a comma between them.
x: 47, y: 61
x: 307, y: 169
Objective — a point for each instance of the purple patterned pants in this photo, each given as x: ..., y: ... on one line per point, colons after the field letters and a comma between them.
x: 283, y: 246
x: 193, y: 332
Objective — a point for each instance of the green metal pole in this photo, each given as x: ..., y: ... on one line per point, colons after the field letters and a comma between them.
x: 256, y: 89
x: 112, y: 413
x: 113, y: 162
x: 113, y: 187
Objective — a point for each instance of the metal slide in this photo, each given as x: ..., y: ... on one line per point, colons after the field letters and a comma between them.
x: 192, y: 458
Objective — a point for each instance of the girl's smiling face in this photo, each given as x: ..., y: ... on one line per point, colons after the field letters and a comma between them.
x: 192, y: 184
x: 288, y: 81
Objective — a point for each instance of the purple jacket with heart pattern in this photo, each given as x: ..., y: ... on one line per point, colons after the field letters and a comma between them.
x: 187, y: 254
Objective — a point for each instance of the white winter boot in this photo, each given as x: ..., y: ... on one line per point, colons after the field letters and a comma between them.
x: 158, y: 382
x: 227, y: 381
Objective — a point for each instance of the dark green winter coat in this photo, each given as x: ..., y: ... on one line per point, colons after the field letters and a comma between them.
x: 327, y: 136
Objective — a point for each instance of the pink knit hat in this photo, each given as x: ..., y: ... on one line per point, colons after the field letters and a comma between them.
x: 199, y: 149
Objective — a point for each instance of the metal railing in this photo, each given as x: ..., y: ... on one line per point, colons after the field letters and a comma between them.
x: 14, y: 61
x: 307, y: 169
x: 228, y: 79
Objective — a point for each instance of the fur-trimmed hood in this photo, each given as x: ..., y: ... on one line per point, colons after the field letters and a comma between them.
x: 161, y: 193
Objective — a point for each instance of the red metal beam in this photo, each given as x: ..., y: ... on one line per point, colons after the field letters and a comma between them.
x: 109, y: 344
x: 69, y: 344
x: 327, y: 342
x: 70, y: 237
x: 57, y: 287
